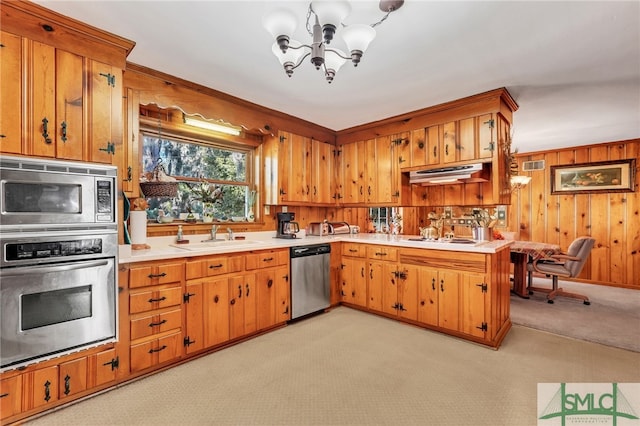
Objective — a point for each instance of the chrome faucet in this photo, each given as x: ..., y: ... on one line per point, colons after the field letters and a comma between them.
x: 214, y: 231
x: 230, y: 234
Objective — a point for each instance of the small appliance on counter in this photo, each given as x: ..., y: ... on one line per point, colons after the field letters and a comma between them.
x: 321, y: 229
x: 287, y: 228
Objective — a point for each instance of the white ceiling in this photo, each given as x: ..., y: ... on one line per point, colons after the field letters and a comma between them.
x: 573, y: 67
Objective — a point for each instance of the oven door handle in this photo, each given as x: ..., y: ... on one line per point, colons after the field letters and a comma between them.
x: 48, y: 268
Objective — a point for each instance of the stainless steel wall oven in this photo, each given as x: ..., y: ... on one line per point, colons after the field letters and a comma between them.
x: 59, y: 245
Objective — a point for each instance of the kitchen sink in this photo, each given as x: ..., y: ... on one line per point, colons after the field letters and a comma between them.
x: 215, y: 244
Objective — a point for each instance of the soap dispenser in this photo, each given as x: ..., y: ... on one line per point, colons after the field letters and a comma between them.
x: 179, y: 237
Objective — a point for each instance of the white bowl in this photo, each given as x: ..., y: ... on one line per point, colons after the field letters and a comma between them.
x: 238, y: 218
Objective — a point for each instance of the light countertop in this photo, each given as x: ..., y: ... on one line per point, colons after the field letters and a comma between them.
x: 165, y: 247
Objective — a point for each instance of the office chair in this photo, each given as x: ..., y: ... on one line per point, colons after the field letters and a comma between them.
x: 566, y: 265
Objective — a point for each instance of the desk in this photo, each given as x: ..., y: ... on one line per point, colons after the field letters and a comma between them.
x: 521, y: 253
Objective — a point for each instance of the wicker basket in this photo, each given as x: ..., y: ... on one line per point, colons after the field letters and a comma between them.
x: 159, y: 189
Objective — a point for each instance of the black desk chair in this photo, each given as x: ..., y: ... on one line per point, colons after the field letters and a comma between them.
x: 566, y: 265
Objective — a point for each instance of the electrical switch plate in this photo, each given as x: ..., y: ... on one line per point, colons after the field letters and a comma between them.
x: 501, y: 213
x: 447, y: 212
x: 267, y: 210
x: 284, y: 209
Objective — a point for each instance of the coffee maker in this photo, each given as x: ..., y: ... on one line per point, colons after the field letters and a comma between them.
x: 287, y: 228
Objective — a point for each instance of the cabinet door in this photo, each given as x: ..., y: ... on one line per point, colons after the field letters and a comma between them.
x: 242, y: 305
x: 354, y: 281
x: 474, y: 293
x: 323, y: 181
x: 428, y: 296
x: 105, y: 112
x: 449, y: 300
x: 486, y: 142
x: 414, y: 153
x: 448, y: 137
x: 42, y: 100
x: 266, y: 298
x: 432, y: 136
x: 69, y: 105
x: 353, y: 160
x: 44, y: 386
x: 283, y: 295
x: 10, y: 394
x: 128, y: 165
x: 216, y: 311
x: 11, y: 86
x: 466, y: 146
x: 409, y: 284
x: 72, y: 377
x: 385, y: 275
x: 193, y: 305
x: 103, y: 368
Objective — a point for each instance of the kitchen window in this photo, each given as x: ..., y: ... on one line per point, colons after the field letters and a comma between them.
x: 192, y: 162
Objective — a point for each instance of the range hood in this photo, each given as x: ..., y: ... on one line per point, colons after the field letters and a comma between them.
x: 478, y: 172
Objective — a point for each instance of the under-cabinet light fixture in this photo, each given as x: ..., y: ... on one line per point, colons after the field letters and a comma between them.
x: 208, y: 125
x: 327, y: 20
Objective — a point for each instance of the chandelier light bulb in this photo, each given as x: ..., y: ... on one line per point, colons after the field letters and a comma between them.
x: 358, y: 37
x: 281, y: 23
x: 290, y: 58
x: 330, y: 15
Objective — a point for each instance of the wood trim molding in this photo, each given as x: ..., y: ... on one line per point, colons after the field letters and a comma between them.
x: 28, y: 19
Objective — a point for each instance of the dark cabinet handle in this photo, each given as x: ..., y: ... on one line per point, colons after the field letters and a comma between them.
x: 247, y: 290
x: 216, y: 299
x: 446, y: 149
x: 157, y: 300
x: 155, y: 324
x: 47, y: 391
x: 161, y: 348
x: 369, y: 189
x: 129, y: 174
x: 371, y: 273
x: 285, y: 278
x: 63, y: 131
x: 267, y: 259
x: 232, y: 301
x: 239, y: 291
x: 269, y: 283
x: 381, y: 253
x: 219, y: 265
x: 441, y: 285
x: 4, y: 395
x: 45, y: 133
x: 433, y: 283
x: 422, y: 303
x: 361, y: 190
x: 435, y: 151
x: 114, y: 363
x: 353, y: 250
x: 164, y: 274
x: 67, y: 385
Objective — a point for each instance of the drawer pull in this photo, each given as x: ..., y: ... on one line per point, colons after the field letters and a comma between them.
x: 379, y: 253
x: 47, y: 391
x: 114, y: 363
x: 267, y: 259
x: 161, y: 348
x: 239, y: 291
x: 353, y: 250
x: 269, y: 283
x: 164, y: 274
x: 4, y: 395
x: 247, y: 289
x: 219, y: 265
x: 67, y: 384
x: 157, y: 300
x: 155, y: 324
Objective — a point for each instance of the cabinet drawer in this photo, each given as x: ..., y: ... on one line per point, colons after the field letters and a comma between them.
x: 143, y: 276
x: 158, y: 351
x: 266, y: 259
x: 354, y: 250
x: 155, y: 299
x: 211, y: 266
x: 154, y: 324
x: 382, y: 253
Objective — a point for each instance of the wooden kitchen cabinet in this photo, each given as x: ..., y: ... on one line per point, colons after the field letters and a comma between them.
x: 273, y: 297
x: 103, y: 368
x: 242, y: 305
x: 105, y: 113
x: 127, y: 157
x: 353, y: 274
x: 353, y: 172
x: 11, y: 396
x: 41, y: 387
x: 298, y: 170
x: 72, y: 377
x: 12, y: 87
x: 155, y: 313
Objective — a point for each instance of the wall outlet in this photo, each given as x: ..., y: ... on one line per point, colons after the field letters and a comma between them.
x: 284, y: 209
x: 501, y: 216
x: 447, y: 213
x: 267, y: 210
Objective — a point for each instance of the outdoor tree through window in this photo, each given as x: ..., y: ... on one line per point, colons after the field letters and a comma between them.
x: 193, y: 163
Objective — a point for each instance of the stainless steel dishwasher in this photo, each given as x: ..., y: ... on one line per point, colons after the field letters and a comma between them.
x: 309, y: 279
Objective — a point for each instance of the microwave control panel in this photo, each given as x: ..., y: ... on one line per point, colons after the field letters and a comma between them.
x: 35, y: 250
x: 105, y: 200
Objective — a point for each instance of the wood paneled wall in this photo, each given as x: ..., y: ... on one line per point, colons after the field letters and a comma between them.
x: 613, y: 219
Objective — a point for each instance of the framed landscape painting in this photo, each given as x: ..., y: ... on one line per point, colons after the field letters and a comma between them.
x: 605, y: 176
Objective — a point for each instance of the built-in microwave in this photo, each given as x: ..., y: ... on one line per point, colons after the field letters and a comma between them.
x: 51, y: 193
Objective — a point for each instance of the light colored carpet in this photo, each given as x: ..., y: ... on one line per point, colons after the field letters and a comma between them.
x: 347, y: 367
x: 612, y: 318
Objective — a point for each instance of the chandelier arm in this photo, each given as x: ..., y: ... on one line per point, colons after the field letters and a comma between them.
x: 384, y: 18
x: 301, y: 60
x: 328, y: 49
x: 309, y: 12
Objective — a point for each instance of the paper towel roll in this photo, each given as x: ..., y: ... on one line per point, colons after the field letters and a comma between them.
x: 138, y: 229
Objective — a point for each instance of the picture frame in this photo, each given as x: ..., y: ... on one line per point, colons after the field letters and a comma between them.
x: 599, y: 177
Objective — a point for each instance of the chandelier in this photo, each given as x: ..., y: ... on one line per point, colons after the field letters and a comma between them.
x: 322, y: 27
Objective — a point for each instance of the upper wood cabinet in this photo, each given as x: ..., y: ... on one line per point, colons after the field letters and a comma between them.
x: 61, y: 86
x: 298, y: 170
x: 468, y: 139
